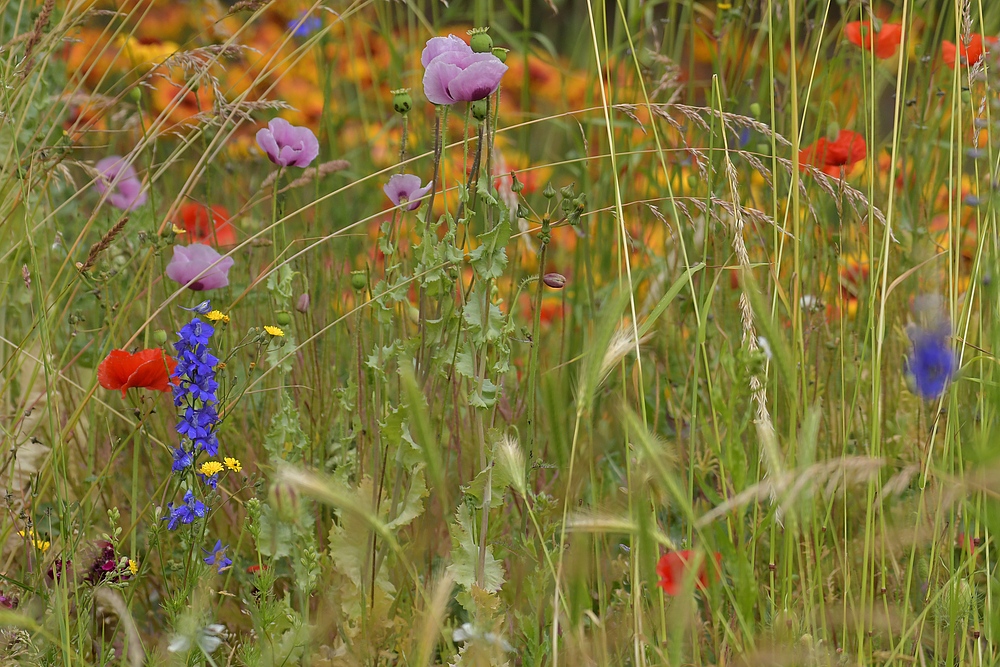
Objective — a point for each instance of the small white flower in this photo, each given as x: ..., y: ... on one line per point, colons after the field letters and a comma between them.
x: 764, y: 346
x: 810, y: 303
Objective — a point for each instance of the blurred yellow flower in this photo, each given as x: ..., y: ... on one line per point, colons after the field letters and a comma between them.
x: 233, y: 464
x: 31, y: 535
x: 216, y: 316
x: 133, y: 567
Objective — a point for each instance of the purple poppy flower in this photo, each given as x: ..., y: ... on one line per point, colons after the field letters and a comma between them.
x: 200, y: 263
x: 454, y: 73
x: 404, y: 190
x: 288, y: 145
x: 119, y: 177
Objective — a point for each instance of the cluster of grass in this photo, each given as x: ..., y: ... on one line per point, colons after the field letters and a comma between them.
x: 634, y: 386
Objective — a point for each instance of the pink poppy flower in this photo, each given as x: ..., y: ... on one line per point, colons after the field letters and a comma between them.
x: 201, y: 264
x: 288, y: 145
x: 454, y: 73
x: 119, y: 180
x: 404, y: 190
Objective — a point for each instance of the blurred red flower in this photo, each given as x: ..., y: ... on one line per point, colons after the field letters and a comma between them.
x: 968, y: 55
x: 145, y: 369
x: 830, y: 156
x: 218, y: 231
x: 672, y: 569
x: 886, y: 39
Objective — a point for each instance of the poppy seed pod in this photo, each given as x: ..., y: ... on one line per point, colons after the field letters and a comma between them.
x: 302, y: 305
x: 160, y: 336
x: 755, y: 109
x: 554, y: 280
x: 500, y: 53
x: 358, y: 280
x: 479, y: 110
x: 401, y: 101
x: 283, y: 319
x: 480, y: 41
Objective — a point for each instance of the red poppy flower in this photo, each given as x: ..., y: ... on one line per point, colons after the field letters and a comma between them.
x: 968, y: 55
x: 200, y: 230
x: 146, y: 369
x: 886, y: 40
x: 672, y: 569
x: 830, y: 156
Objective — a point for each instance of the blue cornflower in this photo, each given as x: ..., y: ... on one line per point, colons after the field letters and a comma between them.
x: 217, y: 556
x: 303, y: 26
x: 191, y: 509
x: 932, y: 361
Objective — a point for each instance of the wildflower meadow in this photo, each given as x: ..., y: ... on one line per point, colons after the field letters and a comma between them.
x: 540, y: 333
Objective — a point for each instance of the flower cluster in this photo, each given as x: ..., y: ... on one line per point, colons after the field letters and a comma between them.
x: 195, y: 393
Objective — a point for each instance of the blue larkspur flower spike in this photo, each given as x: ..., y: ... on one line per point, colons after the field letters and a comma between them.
x: 195, y: 394
x: 931, y: 364
x: 187, y: 512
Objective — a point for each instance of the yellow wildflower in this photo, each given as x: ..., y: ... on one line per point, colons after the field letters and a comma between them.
x: 35, y: 538
x: 178, y: 230
x: 133, y: 567
x: 274, y: 331
x: 233, y: 464
x: 209, y: 468
x: 217, y: 315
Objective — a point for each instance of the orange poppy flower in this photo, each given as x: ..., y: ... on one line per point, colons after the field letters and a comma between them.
x: 194, y: 217
x: 672, y: 570
x: 886, y: 40
x: 967, y: 55
x: 145, y: 369
x: 830, y: 156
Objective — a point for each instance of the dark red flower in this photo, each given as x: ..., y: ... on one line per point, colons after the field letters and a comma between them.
x: 146, y: 369
x: 967, y: 55
x: 830, y: 156
x: 886, y: 40
x: 218, y: 231
x: 8, y: 601
x: 672, y: 569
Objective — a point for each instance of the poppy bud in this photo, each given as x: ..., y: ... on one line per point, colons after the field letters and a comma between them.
x: 481, y: 42
x: 401, y: 101
x: 302, y: 305
x: 358, y: 280
x: 833, y: 130
x: 284, y: 500
x: 755, y: 109
x: 554, y: 280
x: 160, y: 336
x: 479, y: 110
x: 283, y: 318
x: 500, y: 53
x: 135, y: 94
